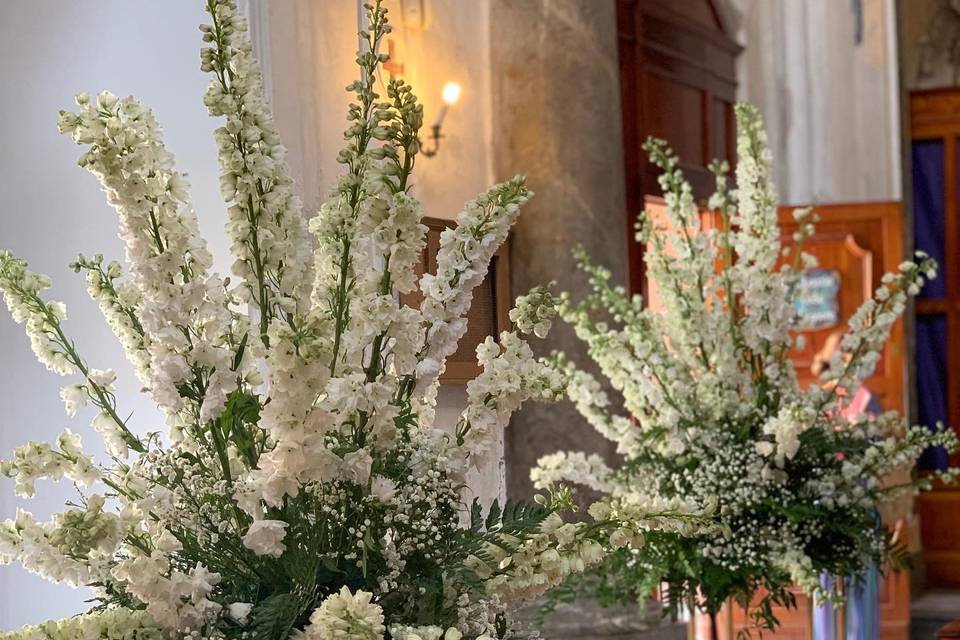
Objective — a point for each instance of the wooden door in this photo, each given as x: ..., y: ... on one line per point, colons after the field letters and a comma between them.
x: 678, y: 83
x: 935, y: 154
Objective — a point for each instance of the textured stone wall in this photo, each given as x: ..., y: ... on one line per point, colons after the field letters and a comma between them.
x: 556, y: 118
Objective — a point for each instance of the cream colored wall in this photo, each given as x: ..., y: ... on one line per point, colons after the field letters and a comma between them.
x: 312, y: 46
x: 831, y: 105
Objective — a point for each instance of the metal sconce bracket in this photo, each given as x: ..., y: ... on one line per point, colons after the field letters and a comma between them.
x: 435, y: 136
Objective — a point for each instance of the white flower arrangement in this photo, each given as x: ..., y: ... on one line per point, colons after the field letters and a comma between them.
x: 113, y: 624
x: 303, y: 489
x: 715, y: 414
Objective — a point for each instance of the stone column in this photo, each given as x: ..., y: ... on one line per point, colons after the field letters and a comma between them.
x: 556, y: 118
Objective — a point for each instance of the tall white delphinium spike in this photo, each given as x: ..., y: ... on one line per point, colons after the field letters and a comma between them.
x: 38, y: 460
x: 267, y: 230
x: 125, y: 624
x: 350, y: 346
x: 21, y: 291
x: 635, y: 358
x: 756, y: 241
x: 511, y: 375
x: 119, y: 301
x: 681, y: 264
x: 870, y: 326
x: 462, y: 263
x: 75, y: 547
x: 181, y: 305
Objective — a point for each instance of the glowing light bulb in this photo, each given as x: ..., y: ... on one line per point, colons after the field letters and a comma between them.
x: 451, y: 93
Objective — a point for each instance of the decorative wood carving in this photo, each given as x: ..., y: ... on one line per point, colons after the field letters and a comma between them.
x: 838, y: 252
x: 861, y: 241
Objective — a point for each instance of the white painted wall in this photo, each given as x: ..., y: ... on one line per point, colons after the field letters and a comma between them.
x: 831, y: 106
x: 50, y: 210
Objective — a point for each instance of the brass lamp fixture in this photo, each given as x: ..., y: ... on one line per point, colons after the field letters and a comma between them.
x: 451, y: 94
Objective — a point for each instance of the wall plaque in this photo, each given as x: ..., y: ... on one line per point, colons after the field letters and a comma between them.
x: 817, y: 302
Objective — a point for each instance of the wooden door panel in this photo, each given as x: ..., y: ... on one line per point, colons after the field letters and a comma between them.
x: 861, y: 242
x: 935, y: 128
x: 677, y: 82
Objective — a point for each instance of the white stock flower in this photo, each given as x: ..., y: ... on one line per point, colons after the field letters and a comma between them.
x: 573, y: 466
x: 240, y: 611
x: 266, y: 227
x: 74, y: 397
x: 34, y: 461
x: 265, y: 537
x: 356, y: 466
x: 346, y: 616
x: 383, y: 489
x: 178, y: 299
x: 786, y: 428
x: 462, y: 263
x: 511, y: 376
x: 432, y: 632
x: 113, y: 623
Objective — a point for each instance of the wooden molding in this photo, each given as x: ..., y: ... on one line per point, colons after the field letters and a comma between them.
x: 492, y: 294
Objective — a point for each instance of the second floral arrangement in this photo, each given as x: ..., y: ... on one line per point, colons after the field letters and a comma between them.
x: 713, y: 413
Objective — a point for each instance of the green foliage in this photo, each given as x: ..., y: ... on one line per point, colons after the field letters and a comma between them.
x: 506, y: 528
x: 274, y: 617
x: 238, y: 424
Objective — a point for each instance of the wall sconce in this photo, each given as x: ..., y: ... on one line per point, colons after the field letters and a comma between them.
x: 451, y: 94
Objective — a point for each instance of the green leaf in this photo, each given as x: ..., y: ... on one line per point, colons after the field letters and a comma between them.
x: 238, y: 358
x: 273, y: 618
x: 476, y: 516
x: 494, y: 514
x: 240, y: 410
